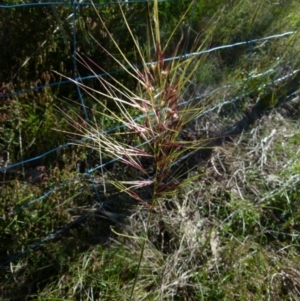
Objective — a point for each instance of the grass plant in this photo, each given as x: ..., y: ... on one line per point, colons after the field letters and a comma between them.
x: 162, y: 94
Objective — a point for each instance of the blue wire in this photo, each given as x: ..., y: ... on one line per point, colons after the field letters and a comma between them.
x: 45, y: 239
x: 184, y: 56
x: 104, y: 3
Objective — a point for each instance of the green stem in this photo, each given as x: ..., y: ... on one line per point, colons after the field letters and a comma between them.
x: 141, y: 256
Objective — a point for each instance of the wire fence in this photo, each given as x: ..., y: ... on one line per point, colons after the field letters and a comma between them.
x: 72, y: 19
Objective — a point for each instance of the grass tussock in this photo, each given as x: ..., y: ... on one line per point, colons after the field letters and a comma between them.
x: 195, y: 192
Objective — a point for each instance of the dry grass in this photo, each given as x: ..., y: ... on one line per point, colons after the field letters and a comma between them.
x: 225, y: 236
